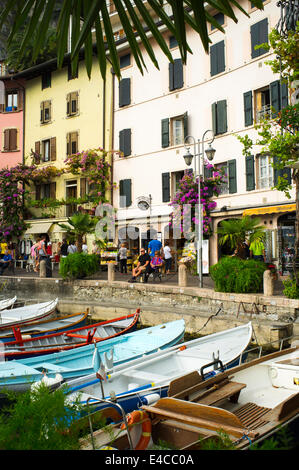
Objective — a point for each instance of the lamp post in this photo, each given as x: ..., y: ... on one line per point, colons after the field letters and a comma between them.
x: 188, y: 157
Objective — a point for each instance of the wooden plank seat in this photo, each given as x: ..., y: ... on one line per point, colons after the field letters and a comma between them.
x: 199, y: 415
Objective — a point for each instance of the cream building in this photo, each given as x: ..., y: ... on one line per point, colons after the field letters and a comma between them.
x: 227, y: 90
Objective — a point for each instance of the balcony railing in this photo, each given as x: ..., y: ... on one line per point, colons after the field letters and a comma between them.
x: 264, y: 113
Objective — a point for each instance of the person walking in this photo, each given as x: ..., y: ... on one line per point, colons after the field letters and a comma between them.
x: 122, y: 253
x: 257, y: 251
x: 72, y: 248
x: 167, y: 257
x: 64, y: 248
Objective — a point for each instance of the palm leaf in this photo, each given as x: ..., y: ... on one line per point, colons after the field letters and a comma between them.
x: 84, y: 15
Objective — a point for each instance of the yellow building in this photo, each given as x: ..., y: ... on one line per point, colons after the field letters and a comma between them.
x: 63, y: 115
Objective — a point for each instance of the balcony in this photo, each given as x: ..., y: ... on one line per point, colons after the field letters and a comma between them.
x: 264, y: 113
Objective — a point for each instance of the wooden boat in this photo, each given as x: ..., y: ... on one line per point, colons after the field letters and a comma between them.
x: 18, y: 375
x: 24, y: 315
x: 7, y: 303
x: 248, y: 403
x: 143, y: 382
x: 62, y: 341
x: 44, y: 327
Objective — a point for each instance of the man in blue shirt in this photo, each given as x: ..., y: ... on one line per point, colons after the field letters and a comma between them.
x: 154, y: 245
x: 4, y: 262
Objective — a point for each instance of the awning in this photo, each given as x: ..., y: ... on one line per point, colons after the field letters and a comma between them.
x: 58, y: 229
x: 39, y: 228
x: 270, y: 209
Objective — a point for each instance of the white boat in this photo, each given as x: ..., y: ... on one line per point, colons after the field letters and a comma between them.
x: 145, y: 380
x: 7, y: 303
x: 29, y: 313
x: 248, y: 403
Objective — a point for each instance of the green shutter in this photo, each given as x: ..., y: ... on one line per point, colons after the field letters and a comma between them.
x: 285, y: 172
x: 217, y: 58
x: 214, y: 118
x: 284, y: 95
x: 221, y: 117
x: 250, y: 175
x: 232, y: 176
x: 125, y: 191
x: 165, y: 132
x: 170, y: 72
x: 178, y: 74
x: 165, y: 187
x: 125, y: 142
x: 213, y: 59
x: 124, y: 92
x: 275, y: 96
x: 185, y: 118
x: 248, y: 115
x: 259, y: 35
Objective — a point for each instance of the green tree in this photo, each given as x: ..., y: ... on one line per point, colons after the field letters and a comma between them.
x: 86, y: 16
x: 78, y: 226
x: 236, y: 231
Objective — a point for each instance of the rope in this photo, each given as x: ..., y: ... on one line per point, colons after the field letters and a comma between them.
x: 211, y: 316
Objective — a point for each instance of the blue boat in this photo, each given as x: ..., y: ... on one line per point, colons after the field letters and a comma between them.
x: 18, y: 375
x: 143, y: 382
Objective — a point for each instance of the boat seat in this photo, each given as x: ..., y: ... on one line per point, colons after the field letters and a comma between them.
x: 230, y: 390
x: 138, y: 374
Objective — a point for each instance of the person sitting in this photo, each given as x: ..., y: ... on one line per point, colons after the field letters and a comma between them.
x: 5, y: 261
x: 143, y: 265
x: 155, y: 265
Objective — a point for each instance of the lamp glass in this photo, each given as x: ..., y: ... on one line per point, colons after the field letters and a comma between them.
x: 188, y: 158
x: 210, y: 152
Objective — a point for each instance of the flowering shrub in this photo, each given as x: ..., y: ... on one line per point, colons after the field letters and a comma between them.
x: 187, y: 197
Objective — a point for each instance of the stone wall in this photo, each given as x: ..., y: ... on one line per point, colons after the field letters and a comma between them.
x: 204, y: 310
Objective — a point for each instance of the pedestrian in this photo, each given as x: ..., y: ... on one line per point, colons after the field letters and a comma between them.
x: 153, y: 246
x: 167, y: 257
x: 5, y: 261
x: 122, y: 253
x: 84, y: 247
x: 64, y: 248
x: 143, y: 265
x: 49, y: 249
x: 257, y: 250
x: 72, y: 248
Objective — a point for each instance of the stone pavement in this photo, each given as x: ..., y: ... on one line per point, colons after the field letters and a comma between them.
x: 171, y: 279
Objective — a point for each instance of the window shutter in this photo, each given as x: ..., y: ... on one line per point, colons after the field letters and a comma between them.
x: 275, y: 96
x: 285, y: 173
x: 125, y: 191
x: 125, y: 142
x: 185, y: 119
x: 178, y: 74
x: 165, y: 187
x: 13, y: 139
x: 37, y: 152
x: 221, y: 117
x: 53, y: 190
x: 82, y: 187
x: 68, y: 104
x: 214, y: 118
x: 37, y: 192
x: 248, y: 115
x: 74, y: 142
x: 6, y: 140
x: 217, y: 58
x: 208, y: 172
x: 73, y: 103
x: 170, y: 71
x: 20, y: 100
x: 259, y: 35
x: 53, y: 148
x: 68, y: 144
x: 250, y: 175
x: 284, y: 95
x: 124, y: 92
x: 232, y: 176
x: 165, y: 132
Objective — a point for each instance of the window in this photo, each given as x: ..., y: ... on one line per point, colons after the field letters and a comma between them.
x: 71, y: 192
x: 125, y: 61
x: 172, y: 42
x: 219, y: 117
x: 125, y: 142
x: 265, y: 172
x: 45, y: 112
x: 176, y: 177
x: 219, y: 17
x: 70, y: 76
x: 229, y: 185
x: 72, y: 103
x: 10, y: 140
x: 46, y: 80
x: 217, y: 59
x: 48, y: 150
x: 45, y: 191
x: 174, y: 130
x: 125, y: 193
x: 269, y: 100
x: 124, y: 92
x: 72, y: 143
x: 176, y: 75
x: 259, y: 35
x: 11, y: 101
